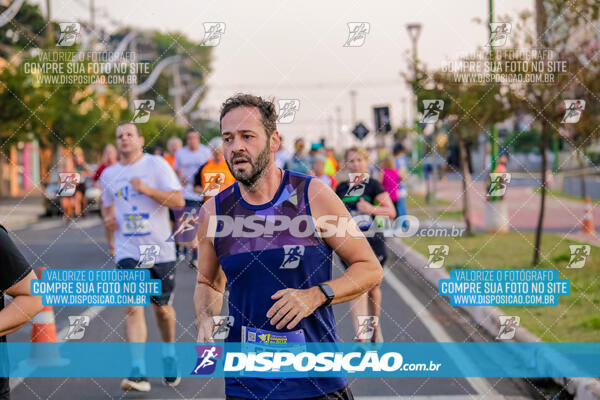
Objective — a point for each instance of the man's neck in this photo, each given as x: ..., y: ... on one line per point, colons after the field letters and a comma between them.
x: 265, y: 188
x: 193, y: 148
x: 130, y: 158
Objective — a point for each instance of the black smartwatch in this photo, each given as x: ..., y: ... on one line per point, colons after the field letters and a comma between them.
x: 328, y: 292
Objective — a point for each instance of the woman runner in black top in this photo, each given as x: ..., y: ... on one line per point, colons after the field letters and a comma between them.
x: 366, y: 199
x: 15, y: 280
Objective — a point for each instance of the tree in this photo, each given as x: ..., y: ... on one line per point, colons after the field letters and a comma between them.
x: 469, y: 109
x: 566, y: 36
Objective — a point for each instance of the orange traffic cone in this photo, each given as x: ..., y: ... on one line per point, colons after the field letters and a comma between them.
x: 44, y: 333
x: 588, y: 217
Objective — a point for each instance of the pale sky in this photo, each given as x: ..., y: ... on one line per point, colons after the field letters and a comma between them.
x: 294, y: 49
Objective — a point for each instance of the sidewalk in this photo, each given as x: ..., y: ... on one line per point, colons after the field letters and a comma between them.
x: 561, y: 216
x: 19, y: 212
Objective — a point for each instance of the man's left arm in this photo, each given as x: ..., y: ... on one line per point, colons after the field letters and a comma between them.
x: 364, y: 270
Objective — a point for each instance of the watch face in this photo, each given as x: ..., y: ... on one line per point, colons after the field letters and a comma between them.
x: 327, y: 291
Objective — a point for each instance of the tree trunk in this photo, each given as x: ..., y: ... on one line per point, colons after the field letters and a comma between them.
x: 582, y: 176
x: 466, y: 182
x: 540, y: 223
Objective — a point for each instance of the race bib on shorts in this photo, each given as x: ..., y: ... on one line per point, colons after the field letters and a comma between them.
x: 255, y: 340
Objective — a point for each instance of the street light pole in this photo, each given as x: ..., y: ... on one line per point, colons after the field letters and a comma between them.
x: 494, y: 130
x: 414, y: 31
x: 353, y: 106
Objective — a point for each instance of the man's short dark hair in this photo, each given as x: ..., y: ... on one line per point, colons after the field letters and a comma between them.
x: 190, y: 131
x: 266, y: 108
x: 137, y: 128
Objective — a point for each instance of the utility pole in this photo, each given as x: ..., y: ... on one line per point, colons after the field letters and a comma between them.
x: 494, y: 130
x: 338, y: 128
x: 177, y: 91
x: 405, y: 112
x: 132, y: 94
x: 414, y: 31
x: 92, y: 15
x: 50, y: 30
x: 353, y: 106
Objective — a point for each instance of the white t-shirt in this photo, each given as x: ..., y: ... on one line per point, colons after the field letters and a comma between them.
x: 189, y: 161
x: 281, y: 157
x: 142, y: 221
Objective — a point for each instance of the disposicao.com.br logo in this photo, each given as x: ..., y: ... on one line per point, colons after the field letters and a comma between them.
x: 280, y: 361
x: 325, y: 226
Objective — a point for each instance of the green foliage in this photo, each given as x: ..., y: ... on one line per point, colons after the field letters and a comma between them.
x: 524, y: 141
x: 28, y: 24
x: 79, y: 114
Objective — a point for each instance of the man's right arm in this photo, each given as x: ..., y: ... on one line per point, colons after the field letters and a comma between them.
x: 110, y: 218
x: 211, y: 280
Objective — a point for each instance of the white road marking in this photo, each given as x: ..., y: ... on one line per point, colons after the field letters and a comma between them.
x: 480, y: 385
x: 40, y: 226
x: 57, y: 223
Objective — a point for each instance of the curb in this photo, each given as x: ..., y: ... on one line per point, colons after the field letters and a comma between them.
x: 487, y: 318
x: 20, y: 223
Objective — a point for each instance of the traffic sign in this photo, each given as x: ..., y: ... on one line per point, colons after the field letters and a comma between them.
x: 360, y: 131
x: 382, y: 119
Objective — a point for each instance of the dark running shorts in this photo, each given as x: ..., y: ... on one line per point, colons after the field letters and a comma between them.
x: 163, y: 271
x: 378, y: 245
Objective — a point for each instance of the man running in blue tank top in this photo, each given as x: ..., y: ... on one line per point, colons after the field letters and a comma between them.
x: 279, y: 282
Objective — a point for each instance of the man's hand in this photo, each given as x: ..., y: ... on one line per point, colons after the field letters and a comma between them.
x: 110, y: 222
x: 364, y: 207
x: 139, y: 185
x: 205, y: 329
x: 293, y: 305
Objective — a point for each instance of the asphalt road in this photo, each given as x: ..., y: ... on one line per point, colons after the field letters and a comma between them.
x: 411, y: 312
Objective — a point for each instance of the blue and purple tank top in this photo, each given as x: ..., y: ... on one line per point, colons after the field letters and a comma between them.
x: 258, y: 266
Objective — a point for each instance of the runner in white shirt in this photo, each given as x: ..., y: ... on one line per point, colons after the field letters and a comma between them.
x: 188, y: 160
x: 137, y: 193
